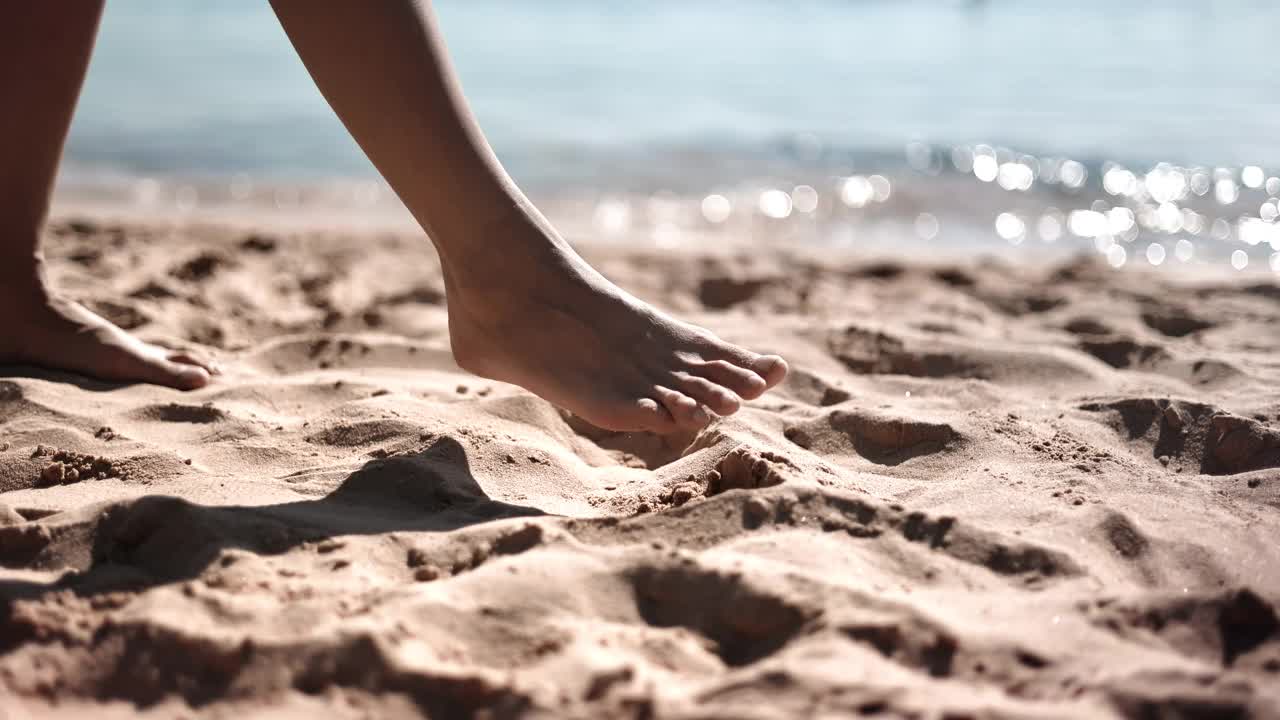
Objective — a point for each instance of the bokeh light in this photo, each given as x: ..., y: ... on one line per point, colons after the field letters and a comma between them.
x: 1116, y: 256
x: 716, y: 208
x: 1155, y: 253
x: 775, y: 204
x: 856, y: 192
x: 1011, y: 227
x: 926, y: 226
x: 804, y: 198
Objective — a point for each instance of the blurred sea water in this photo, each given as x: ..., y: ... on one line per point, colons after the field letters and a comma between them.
x: 1149, y: 133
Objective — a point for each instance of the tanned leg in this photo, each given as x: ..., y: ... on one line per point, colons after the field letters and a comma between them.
x: 523, y: 306
x: 44, y: 51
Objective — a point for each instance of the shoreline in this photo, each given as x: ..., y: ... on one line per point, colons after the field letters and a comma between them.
x: 949, y: 204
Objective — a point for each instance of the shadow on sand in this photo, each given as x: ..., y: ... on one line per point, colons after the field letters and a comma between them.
x: 154, y: 540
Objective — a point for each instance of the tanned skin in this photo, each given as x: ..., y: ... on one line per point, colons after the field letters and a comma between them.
x: 524, y: 307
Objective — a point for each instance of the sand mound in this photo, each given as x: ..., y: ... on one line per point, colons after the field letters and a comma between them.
x: 1013, y: 494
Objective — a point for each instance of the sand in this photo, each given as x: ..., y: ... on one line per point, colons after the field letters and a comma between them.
x: 984, y: 491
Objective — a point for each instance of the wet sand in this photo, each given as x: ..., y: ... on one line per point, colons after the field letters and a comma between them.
x: 985, y: 491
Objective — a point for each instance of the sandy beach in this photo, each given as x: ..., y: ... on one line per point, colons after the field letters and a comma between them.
x: 985, y: 491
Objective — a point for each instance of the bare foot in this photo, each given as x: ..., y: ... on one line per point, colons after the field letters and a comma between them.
x: 537, y: 315
x: 42, y: 330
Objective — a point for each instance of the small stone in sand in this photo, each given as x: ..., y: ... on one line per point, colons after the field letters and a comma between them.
x: 53, y: 474
x: 755, y: 511
x: 683, y: 494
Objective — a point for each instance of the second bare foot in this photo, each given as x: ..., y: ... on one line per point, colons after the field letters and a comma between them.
x: 40, y: 329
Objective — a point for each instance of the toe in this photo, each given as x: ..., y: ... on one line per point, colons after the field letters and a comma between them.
x: 720, y: 399
x: 684, y: 410
x: 771, y: 368
x: 180, y: 375
x: 653, y: 416
x: 188, y: 357
x: 150, y: 364
x: 746, y: 383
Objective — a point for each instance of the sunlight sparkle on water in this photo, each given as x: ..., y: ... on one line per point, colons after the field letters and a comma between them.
x: 775, y: 204
x: 1086, y: 223
x: 1119, y: 181
x: 921, y: 158
x: 1156, y: 215
x: 1116, y: 256
x: 1253, y: 231
x: 880, y: 187
x: 1015, y: 176
x: 1011, y: 227
x: 1226, y: 191
x: 1192, y: 221
x: 1119, y: 220
x: 1169, y: 217
x: 716, y: 208
x: 985, y: 165
x: 1252, y: 176
x: 1155, y: 253
x: 1200, y: 183
x: 1268, y: 211
x: 1166, y: 183
x: 856, y: 192
x: 1073, y: 174
x: 804, y: 198
x: 1049, y: 227
x: 1184, y: 250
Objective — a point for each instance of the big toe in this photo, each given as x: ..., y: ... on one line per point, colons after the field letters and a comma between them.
x: 770, y: 367
x: 175, y: 372
x: 199, y: 359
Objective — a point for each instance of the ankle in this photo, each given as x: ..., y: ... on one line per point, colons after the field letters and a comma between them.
x: 23, y: 289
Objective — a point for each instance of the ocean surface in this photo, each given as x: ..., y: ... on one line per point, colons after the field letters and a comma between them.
x: 1136, y: 130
